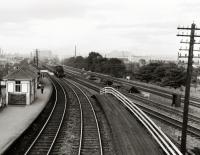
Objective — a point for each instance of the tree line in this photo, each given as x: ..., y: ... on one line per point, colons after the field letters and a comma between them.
x: 159, y: 73
x: 163, y: 74
x: 96, y: 63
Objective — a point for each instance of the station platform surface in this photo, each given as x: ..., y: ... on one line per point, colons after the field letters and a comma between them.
x: 14, y: 119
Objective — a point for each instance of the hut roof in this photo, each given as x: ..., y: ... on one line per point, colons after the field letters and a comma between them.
x: 24, y: 73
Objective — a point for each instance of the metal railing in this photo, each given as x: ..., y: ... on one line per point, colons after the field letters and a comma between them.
x: 164, y: 142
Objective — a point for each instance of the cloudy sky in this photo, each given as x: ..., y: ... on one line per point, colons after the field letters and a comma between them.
x: 141, y: 26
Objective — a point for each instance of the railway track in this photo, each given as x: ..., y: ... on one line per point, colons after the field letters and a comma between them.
x: 194, y: 101
x: 169, y: 120
x: 192, y: 118
x: 166, y: 108
x: 158, y: 115
x: 44, y: 141
x: 90, y: 136
x: 178, y: 112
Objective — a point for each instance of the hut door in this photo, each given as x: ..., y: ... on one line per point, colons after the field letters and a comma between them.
x: 16, y: 99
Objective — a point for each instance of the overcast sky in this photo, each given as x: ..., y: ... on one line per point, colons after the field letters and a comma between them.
x: 143, y: 27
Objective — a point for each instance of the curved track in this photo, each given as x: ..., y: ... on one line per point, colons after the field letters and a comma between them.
x: 194, y: 101
x: 166, y: 108
x: 90, y: 137
x: 44, y: 141
x: 160, y: 116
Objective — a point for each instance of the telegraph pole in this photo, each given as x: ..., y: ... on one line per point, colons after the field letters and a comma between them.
x: 36, y: 57
x: 190, y: 56
x: 75, y: 52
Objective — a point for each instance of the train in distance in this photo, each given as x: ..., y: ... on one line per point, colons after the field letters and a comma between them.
x: 58, y: 71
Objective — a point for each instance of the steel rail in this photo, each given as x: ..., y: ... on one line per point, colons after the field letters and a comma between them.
x: 47, y: 121
x: 94, y: 114
x: 144, y: 122
x: 159, y: 138
x: 192, y: 130
x: 178, y: 112
x: 167, y: 146
x: 194, y: 101
x: 81, y: 114
x: 63, y: 115
x: 176, y: 123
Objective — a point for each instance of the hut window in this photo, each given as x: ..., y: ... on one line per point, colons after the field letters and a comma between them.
x: 18, y: 86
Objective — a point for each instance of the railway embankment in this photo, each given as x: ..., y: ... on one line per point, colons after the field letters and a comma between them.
x: 129, y: 136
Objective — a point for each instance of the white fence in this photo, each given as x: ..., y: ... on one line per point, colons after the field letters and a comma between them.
x: 164, y: 142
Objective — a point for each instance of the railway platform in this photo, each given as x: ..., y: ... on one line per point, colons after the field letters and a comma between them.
x: 15, y: 119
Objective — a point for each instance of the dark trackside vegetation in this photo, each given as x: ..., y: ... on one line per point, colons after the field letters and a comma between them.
x: 163, y: 74
x: 160, y: 73
x: 96, y: 63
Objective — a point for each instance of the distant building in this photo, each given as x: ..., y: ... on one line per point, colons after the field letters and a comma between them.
x: 45, y: 54
x: 3, y: 62
x: 21, y: 86
x: 11, y: 60
x: 183, y: 63
x: 183, y: 59
x: 148, y: 59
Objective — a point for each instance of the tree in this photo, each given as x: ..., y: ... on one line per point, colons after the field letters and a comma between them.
x: 159, y: 73
x: 174, y: 77
x: 142, y: 62
x: 146, y: 73
x: 164, y: 74
x: 93, y: 61
x: 80, y: 62
x: 116, y: 67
